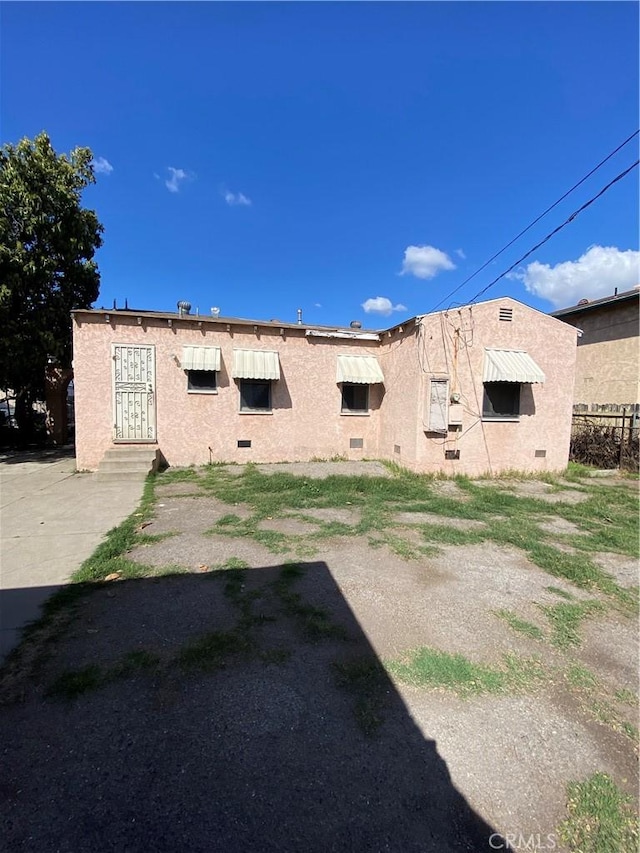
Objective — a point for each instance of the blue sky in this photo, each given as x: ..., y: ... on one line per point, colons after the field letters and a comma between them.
x: 355, y: 160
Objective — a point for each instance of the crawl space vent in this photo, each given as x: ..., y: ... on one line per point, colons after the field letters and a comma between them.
x: 356, y: 443
x: 452, y: 454
x: 244, y: 442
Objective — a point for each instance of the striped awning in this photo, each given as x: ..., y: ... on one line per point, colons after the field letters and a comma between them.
x: 359, y: 369
x: 200, y: 358
x: 510, y: 365
x: 255, y: 364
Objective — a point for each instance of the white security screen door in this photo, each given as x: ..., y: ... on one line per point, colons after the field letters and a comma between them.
x: 134, y: 398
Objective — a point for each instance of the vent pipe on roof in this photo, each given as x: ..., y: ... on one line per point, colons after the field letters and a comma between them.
x: 215, y: 311
x: 183, y: 307
x: 299, y: 316
x: 355, y: 324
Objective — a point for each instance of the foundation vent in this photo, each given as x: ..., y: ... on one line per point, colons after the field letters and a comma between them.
x: 540, y: 454
x: 505, y: 314
x: 356, y: 443
x: 452, y: 454
x: 396, y: 448
x: 244, y: 442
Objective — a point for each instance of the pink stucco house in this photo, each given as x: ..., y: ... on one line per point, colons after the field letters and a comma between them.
x: 478, y: 389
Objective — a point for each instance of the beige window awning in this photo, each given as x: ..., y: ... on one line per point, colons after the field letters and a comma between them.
x: 359, y: 369
x: 255, y: 364
x: 510, y: 365
x: 200, y: 358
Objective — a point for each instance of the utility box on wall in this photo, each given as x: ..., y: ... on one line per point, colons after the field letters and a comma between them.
x: 455, y: 414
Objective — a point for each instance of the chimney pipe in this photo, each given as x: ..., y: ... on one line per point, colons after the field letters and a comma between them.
x: 299, y: 316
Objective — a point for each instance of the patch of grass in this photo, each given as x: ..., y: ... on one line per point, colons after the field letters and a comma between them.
x: 520, y: 626
x: 567, y: 617
x: 580, y: 677
x: 365, y: 679
x: 445, y: 534
x: 577, y: 471
x: 600, y: 818
x: 231, y: 525
x: 74, y: 683
x: 229, y: 519
x: 133, y: 662
x: 605, y: 713
x: 314, y: 623
x: 152, y: 538
x: 627, y: 697
x: 561, y: 592
x: 401, y: 546
x: 428, y: 667
x: 234, y: 563
x: 108, y: 556
x: 213, y: 650
x: 178, y: 475
x: 278, y: 655
x: 70, y: 685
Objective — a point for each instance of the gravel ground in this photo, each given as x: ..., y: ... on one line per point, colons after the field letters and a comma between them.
x: 266, y: 750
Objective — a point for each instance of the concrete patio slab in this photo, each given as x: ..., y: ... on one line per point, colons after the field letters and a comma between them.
x: 51, y: 520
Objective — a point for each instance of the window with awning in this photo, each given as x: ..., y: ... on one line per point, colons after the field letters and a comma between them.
x: 201, y: 365
x: 359, y: 370
x: 255, y: 364
x: 508, y: 365
x: 200, y: 358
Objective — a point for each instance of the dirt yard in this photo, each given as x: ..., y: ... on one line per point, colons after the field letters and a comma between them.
x: 334, y: 657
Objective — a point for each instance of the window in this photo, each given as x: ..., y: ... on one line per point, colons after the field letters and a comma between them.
x: 202, y: 381
x: 355, y: 398
x: 255, y: 395
x: 501, y: 401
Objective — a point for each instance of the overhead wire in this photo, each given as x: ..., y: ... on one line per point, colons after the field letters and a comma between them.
x: 537, y: 219
x: 555, y: 230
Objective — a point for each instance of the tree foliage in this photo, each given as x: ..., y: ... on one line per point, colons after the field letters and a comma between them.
x: 47, y: 244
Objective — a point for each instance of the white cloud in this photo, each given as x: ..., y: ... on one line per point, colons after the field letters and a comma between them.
x: 461, y: 254
x: 237, y: 199
x: 173, y: 182
x: 381, y: 305
x: 102, y: 166
x: 425, y: 261
x: 317, y: 305
x: 596, y: 273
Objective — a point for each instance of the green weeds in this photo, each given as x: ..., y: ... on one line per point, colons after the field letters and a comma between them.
x: 427, y: 667
x: 600, y: 818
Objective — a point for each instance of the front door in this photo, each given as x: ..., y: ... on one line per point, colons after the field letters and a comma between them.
x: 134, y: 398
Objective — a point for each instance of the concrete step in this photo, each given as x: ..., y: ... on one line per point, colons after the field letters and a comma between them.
x: 128, y: 462
x: 136, y: 464
x: 129, y: 452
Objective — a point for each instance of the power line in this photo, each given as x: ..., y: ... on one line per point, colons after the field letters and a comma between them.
x: 555, y: 230
x: 537, y: 219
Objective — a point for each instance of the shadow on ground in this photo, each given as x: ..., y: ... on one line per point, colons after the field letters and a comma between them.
x: 9, y: 456
x: 228, y: 711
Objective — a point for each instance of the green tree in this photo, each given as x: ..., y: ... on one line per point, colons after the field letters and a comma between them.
x: 47, y: 244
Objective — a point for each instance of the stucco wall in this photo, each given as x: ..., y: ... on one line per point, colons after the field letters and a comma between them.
x: 452, y: 344
x: 306, y: 420
x: 608, y: 358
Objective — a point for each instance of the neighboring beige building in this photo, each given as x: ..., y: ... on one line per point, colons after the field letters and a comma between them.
x: 608, y: 357
x: 479, y: 389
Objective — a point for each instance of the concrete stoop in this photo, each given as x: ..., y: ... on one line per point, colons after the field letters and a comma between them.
x: 128, y: 463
